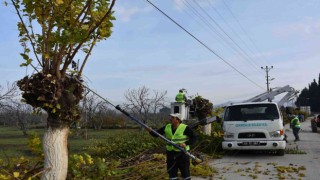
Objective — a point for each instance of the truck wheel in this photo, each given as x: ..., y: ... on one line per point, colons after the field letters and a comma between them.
x: 280, y: 152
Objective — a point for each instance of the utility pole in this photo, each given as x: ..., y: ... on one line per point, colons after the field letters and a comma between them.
x: 267, y: 69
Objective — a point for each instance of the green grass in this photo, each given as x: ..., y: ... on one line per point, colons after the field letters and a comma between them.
x: 78, y: 144
x: 124, y: 146
x: 14, y: 144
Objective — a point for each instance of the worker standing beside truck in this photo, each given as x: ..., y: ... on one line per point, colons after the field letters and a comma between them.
x: 295, y: 125
x: 183, y: 136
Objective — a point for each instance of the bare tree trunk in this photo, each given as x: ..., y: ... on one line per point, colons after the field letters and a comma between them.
x: 55, y: 153
x: 23, y: 128
x: 21, y: 122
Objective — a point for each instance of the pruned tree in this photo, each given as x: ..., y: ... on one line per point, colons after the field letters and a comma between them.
x: 52, y: 34
x: 203, y: 109
x: 142, y: 103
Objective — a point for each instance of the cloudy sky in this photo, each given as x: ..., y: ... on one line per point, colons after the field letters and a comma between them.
x: 219, y: 57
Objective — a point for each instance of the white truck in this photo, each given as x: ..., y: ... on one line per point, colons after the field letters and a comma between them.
x: 254, y: 126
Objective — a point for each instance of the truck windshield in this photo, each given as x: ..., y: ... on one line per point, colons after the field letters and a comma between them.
x: 251, y: 112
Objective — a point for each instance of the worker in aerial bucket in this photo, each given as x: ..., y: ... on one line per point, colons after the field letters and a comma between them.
x: 183, y: 136
x: 181, y: 97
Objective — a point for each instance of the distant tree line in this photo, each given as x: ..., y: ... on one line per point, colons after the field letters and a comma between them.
x: 13, y: 112
x: 150, y: 106
x: 310, y: 96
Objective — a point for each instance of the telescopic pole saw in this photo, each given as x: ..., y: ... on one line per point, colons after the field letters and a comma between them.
x: 197, y: 160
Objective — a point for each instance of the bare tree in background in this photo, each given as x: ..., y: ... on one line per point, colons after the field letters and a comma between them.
x: 89, y: 107
x: 141, y: 102
x: 100, y: 115
x: 21, y: 110
x: 21, y: 115
x: 7, y: 95
x: 13, y: 112
x: 25, y: 118
x: 158, y: 100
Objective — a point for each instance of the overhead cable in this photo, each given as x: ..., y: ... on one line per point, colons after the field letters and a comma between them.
x: 254, y: 44
x: 249, y: 59
x: 203, y: 44
x: 216, y: 33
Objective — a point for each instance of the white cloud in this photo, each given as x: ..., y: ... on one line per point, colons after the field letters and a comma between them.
x: 179, y: 4
x: 125, y: 14
x: 308, y: 28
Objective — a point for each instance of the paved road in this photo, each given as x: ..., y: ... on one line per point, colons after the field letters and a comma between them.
x: 258, y: 165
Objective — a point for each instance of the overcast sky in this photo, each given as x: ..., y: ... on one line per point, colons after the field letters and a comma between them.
x: 234, y: 39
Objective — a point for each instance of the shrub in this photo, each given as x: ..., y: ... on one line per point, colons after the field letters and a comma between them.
x: 34, y: 144
x: 20, y: 168
x: 123, y: 146
x: 210, y: 144
x: 83, y: 166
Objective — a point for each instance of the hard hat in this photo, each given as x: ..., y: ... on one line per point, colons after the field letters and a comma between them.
x: 177, y: 115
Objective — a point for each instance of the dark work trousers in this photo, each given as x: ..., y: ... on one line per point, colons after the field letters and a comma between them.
x: 296, y: 133
x: 175, y: 161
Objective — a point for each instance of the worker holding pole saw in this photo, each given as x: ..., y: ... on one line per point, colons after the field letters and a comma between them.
x: 183, y: 136
x: 178, y: 152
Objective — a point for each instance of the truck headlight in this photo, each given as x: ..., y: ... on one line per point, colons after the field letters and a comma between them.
x: 275, y: 134
x: 228, y: 135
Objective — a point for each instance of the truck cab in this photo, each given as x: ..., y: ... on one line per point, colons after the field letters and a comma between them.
x: 253, y: 126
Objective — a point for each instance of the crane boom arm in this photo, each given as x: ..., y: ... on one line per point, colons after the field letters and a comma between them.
x: 270, y: 95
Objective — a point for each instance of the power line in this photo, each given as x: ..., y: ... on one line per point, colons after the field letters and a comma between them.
x: 254, y: 44
x: 214, y: 30
x: 230, y: 27
x: 226, y: 34
x: 204, y: 45
x: 202, y: 22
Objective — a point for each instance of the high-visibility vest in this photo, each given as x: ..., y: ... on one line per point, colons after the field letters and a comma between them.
x: 178, y: 137
x: 295, y: 122
x: 180, y: 97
